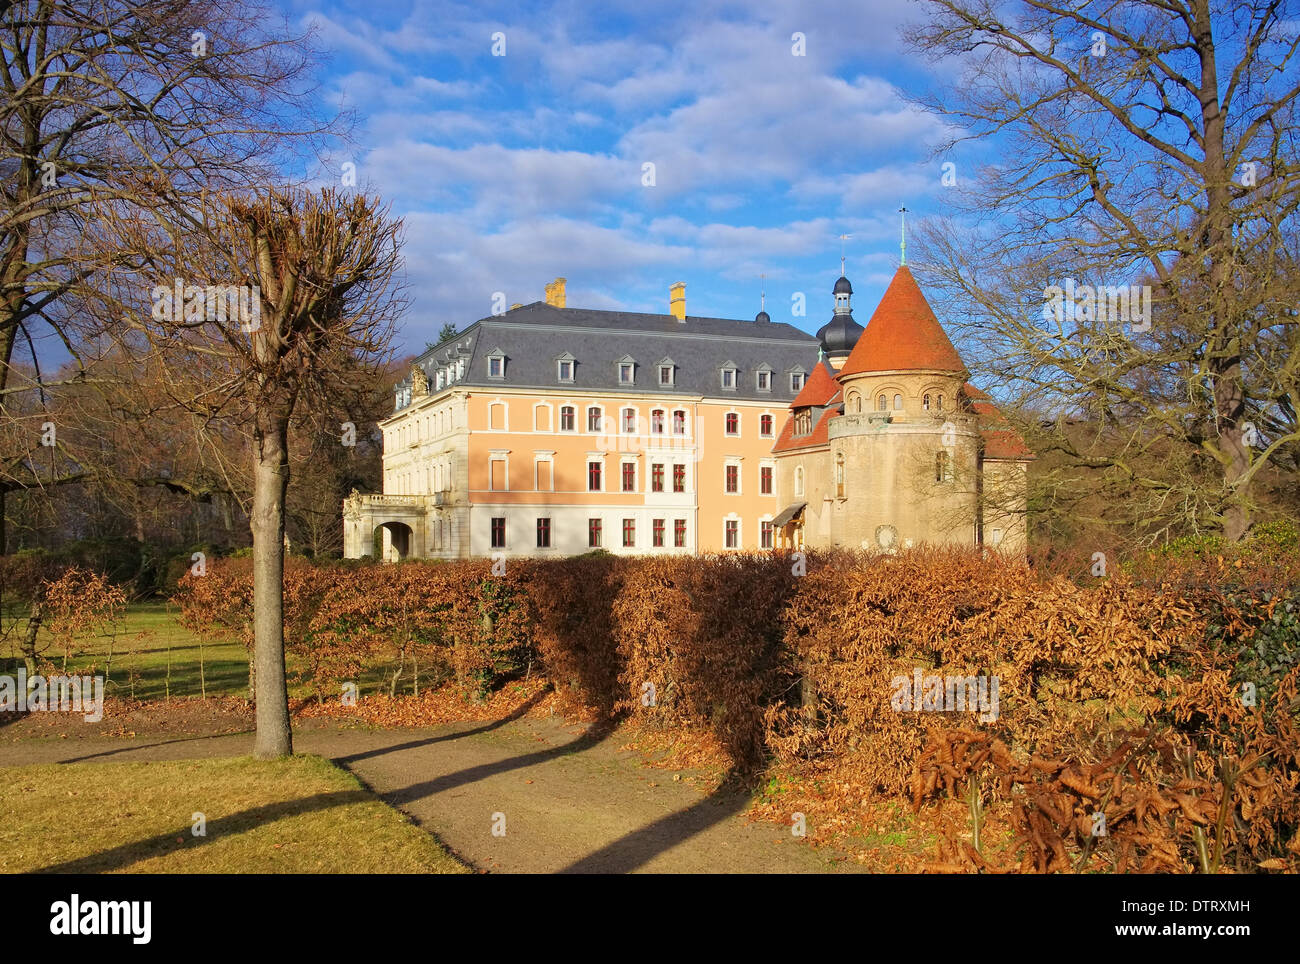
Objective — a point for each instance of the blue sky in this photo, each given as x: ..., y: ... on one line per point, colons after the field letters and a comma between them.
x: 510, y: 170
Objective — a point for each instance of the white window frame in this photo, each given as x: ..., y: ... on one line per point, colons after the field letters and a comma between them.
x: 722, y: 377
x: 499, y: 455
x: 740, y: 475
x: 740, y: 423
x: 633, y: 461
x: 539, y: 457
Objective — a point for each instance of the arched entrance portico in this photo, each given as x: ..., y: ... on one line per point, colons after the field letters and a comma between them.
x: 395, y: 541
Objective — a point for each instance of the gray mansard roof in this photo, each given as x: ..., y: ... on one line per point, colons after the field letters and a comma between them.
x: 532, y: 338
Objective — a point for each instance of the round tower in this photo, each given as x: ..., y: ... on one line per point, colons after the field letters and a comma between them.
x: 905, y: 453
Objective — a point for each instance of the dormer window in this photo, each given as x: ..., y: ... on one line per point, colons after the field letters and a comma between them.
x: 666, y: 370
x: 763, y: 380
x: 729, y: 376
x: 796, y: 381
x: 496, y: 364
x: 564, y: 367
x: 625, y: 373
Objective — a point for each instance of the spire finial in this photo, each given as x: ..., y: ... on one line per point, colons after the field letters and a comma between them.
x: 902, y: 233
x: 763, y: 297
x: 843, y: 238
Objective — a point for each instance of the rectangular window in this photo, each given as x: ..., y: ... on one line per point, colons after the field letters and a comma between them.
x: 593, y: 533
x: 496, y: 367
x: 679, y: 422
x: 657, y: 422
x: 765, y: 426
x: 765, y: 480
x: 629, y: 421
x: 733, y: 478
x: 629, y: 533
x: 796, y: 381
x: 665, y: 374
x: 728, y: 378
x: 629, y: 476
x: 657, y: 477
x: 679, y: 478
x: 544, y: 476
x: 625, y: 373
x: 593, y: 419
x: 679, y: 533
x: 497, y: 474
x: 657, y: 533
x: 733, y: 534
x: 543, y: 533
x: 566, y: 418
x: 765, y: 540
x: 593, y: 476
x: 498, y: 532
x: 733, y: 423
x: 566, y: 371
x: 764, y: 381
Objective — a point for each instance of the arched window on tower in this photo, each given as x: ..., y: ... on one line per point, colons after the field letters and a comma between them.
x: 925, y: 401
x: 941, y: 401
x: 881, y: 403
x: 839, y: 476
x: 898, y: 403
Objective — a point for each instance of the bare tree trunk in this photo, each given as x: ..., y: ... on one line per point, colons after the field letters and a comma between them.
x: 29, y: 640
x: 270, y: 482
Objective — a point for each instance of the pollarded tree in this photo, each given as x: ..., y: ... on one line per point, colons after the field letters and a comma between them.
x: 1148, y: 144
x: 284, y: 298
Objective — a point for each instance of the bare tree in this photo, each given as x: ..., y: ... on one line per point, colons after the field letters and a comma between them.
x: 1138, y: 143
x: 133, y: 104
x: 314, y: 278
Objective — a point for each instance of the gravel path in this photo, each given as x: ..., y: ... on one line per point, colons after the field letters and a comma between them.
x: 571, y: 800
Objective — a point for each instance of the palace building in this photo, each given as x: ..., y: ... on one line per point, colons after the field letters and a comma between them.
x: 550, y: 431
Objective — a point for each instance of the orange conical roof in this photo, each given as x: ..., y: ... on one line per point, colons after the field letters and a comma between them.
x: 903, y: 335
x: 820, y: 387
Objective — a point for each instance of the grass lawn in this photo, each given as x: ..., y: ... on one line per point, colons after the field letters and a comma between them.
x: 152, y: 656
x: 299, y: 815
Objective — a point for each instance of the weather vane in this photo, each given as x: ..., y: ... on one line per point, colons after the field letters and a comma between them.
x: 843, y: 238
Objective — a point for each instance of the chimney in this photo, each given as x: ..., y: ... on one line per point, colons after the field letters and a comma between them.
x: 555, y: 293
x: 515, y: 305
x: 677, y: 301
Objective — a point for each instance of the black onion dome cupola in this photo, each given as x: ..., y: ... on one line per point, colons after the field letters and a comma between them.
x: 841, y: 333
x: 763, y: 318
